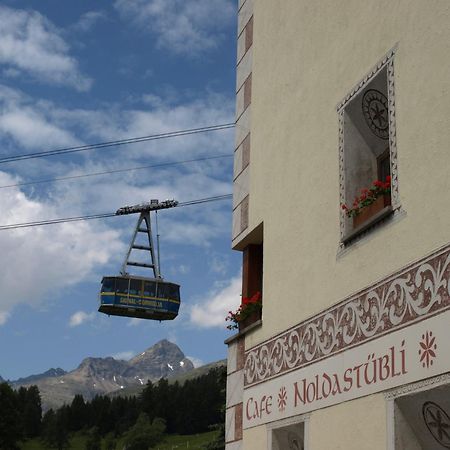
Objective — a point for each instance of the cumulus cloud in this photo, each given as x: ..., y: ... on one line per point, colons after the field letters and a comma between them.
x: 80, y: 317
x: 36, y: 124
x: 125, y: 356
x: 181, y: 26
x: 196, y: 361
x: 45, y: 256
x: 50, y: 258
x: 31, y: 44
x: 211, y: 311
x: 135, y: 322
x: 3, y: 317
x: 88, y: 20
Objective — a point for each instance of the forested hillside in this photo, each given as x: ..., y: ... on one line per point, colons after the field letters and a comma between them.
x: 162, y: 408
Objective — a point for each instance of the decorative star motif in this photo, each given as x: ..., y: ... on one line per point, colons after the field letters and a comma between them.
x: 427, y: 349
x: 378, y: 115
x: 437, y: 422
x: 375, y: 109
x: 282, y: 399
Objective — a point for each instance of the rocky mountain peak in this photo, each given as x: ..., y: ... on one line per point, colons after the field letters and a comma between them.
x: 103, y: 375
x: 50, y: 373
x: 161, y: 350
x: 101, y: 367
x: 164, y: 359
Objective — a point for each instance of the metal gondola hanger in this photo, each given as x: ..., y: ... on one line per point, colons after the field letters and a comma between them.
x: 143, y: 225
x: 136, y: 296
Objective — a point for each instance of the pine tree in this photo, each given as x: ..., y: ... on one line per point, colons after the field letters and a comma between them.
x: 144, y: 434
x: 10, y: 425
x: 32, y: 413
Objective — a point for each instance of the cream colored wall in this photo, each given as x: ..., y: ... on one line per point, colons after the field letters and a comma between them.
x: 306, y: 58
x: 356, y: 425
x: 255, y: 438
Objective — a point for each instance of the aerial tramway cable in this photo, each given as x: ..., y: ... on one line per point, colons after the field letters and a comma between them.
x: 109, y: 172
x: 104, y: 215
x: 116, y: 143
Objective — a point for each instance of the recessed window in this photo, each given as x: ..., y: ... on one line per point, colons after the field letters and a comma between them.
x: 367, y: 146
x: 422, y: 420
x: 291, y: 437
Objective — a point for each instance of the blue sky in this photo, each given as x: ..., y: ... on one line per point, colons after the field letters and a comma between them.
x: 82, y: 72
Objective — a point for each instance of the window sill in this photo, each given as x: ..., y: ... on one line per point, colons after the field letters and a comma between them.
x: 378, y: 217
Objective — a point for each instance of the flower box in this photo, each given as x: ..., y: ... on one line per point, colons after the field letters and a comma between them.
x: 248, y: 313
x: 249, y: 320
x: 371, y: 210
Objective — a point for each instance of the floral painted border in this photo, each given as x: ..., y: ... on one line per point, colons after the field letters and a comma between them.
x: 413, y: 294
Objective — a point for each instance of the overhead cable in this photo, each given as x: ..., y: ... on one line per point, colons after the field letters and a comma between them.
x: 108, y: 172
x: 104, y: 215
x: 116, y: 143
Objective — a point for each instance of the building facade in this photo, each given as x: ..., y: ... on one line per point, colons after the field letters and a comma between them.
x: 352, y: 348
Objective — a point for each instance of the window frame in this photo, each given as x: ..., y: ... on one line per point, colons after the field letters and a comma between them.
x: 347, y: 237
x: 301, y: 420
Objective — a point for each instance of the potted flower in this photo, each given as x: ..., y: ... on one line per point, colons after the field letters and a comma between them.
x: 369, y: 202
x: 248, y: 313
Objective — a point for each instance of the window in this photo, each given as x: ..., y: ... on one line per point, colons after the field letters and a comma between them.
x: 135, y: 287
x: 150, y: 288
x: 290, y: 437
x: 122, y: 285
x: 108, y: 284
x: 367, y: 149
x: 421, y: 419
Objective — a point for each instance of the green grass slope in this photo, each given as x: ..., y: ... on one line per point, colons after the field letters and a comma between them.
x: 192, y: 442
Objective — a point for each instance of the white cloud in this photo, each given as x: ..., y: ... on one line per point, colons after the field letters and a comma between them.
x: 31, y: 44
x: 135, y: 322
x: 3, y: 317
x: 196, y: 361
x: 39, y: 264
x: 44, y: 256
x: 183, y: 269
x: 80, y: 317
x: 182, y: 26
x: 87, y: 20
x: 212, y: 310
x: 218, y: 264
x: 125, y: 356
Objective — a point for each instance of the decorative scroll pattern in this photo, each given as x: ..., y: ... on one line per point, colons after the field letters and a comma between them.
x: 413, y: 294
x: 392, y: 134
x: 367, y: 79
x: 341, y: 173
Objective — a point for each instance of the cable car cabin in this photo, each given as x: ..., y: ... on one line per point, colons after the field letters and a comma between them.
x: 144, y: 298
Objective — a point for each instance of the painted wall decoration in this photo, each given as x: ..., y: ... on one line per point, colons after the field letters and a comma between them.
x: 377, y: 365
x: 376, y: 111
x: 419, y: 291
x: 437, y: 422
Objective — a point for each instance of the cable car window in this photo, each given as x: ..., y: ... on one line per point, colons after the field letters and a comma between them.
x: 161, y: 291
x: 172, y: 291
x: 176, y: 293
x: 122, y: 285
x: 108, y: 284
x: 135, y: 287
x: 150, y: 288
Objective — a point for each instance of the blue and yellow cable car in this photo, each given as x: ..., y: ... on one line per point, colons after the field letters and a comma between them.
x: 136, y: 296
